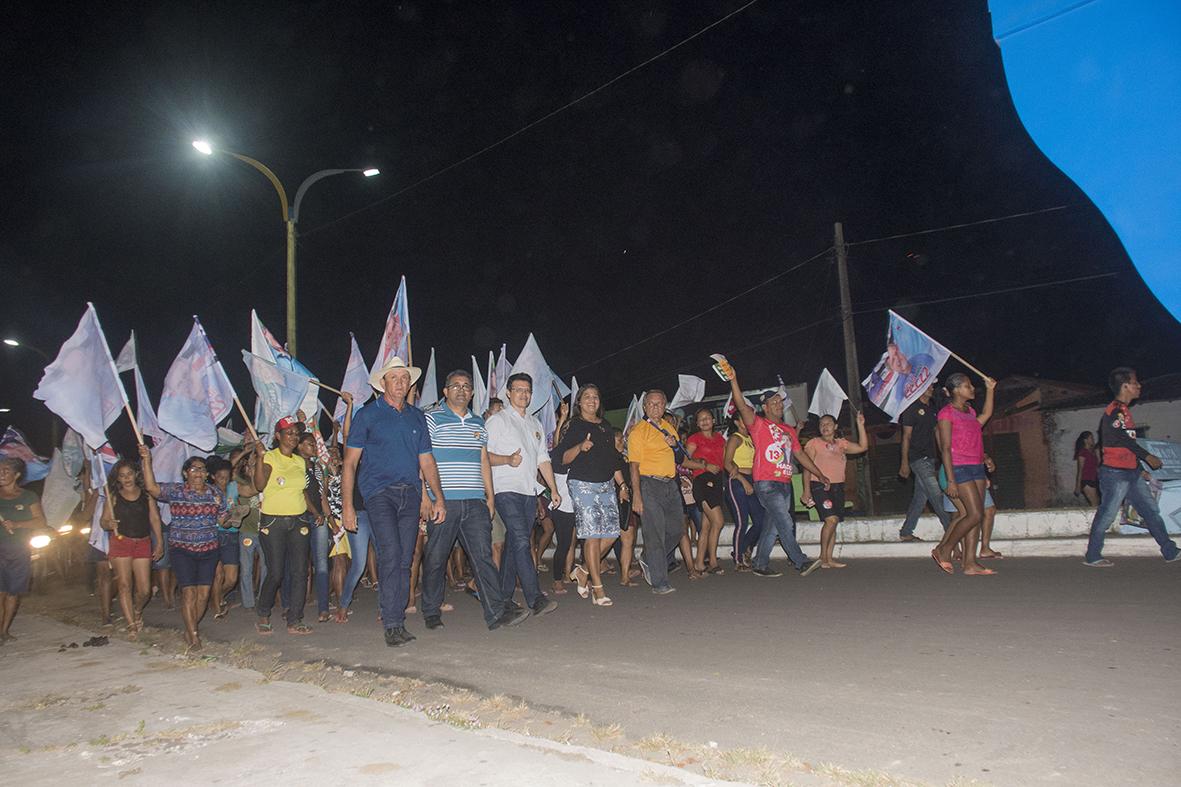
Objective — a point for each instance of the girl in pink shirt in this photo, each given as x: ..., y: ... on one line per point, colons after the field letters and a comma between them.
x: 828, y: 452
x: 961, y: 441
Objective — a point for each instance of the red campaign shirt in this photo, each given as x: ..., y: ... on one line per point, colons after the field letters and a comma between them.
x: 711, y: 449
x: 1117, y: 437
x: 774, y: 444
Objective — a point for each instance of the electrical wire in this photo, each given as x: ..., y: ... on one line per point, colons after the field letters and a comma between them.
x: 536, y: 122
x: 993, y: 292
x: 958, y: 226
x: 700, y: 314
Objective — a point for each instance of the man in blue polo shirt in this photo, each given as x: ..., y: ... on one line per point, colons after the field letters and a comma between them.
x: 459, y: 442
x: 392, y: 433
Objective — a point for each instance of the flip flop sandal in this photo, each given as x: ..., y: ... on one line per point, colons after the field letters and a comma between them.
x: 299, y: 629
x: 264, y: 628
x: 944, y: 566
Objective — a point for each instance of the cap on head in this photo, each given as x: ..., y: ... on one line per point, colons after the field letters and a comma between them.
x: 286, y: 422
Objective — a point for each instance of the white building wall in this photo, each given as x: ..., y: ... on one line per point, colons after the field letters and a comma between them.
x: 1162, y: 421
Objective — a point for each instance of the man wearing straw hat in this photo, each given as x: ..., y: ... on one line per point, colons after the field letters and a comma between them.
x: 392, y: 433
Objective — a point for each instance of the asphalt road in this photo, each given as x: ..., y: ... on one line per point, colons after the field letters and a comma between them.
x: 1048, y: 672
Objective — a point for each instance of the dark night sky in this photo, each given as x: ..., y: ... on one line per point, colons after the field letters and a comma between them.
x: 683, y: 184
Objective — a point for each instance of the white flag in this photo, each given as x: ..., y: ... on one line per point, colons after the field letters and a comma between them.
x: 197, y: 394
x: 126, y: 360
x: 280, y: 391
x: 828, y: 396
x: 356, y: 382
x: 532, y: 363
x: 144, y: 413
x: 61, y: 492
x: 479, y: 389
x: 428, y: 386
x: 81, y: 385
x: 690, y: 389
x: 635, y: 412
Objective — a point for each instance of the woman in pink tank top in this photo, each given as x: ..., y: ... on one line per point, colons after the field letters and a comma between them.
x: 961, y: 441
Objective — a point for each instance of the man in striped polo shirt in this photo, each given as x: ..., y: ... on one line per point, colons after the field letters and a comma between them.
x: 460, y: 445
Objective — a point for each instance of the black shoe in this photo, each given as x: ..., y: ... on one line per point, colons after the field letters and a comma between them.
x: 514, y: 606
x: 397, y: 637
x: 544, y: 605
x: 808, y: 567
x: 434, y: 622
x: 510, y: 617
x: 766, y: 572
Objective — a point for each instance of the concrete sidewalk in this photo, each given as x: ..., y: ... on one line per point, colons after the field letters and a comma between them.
x: 113, y: 714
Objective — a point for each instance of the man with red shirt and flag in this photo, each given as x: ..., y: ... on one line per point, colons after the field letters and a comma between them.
x: 1119, y: 472
x: 776, y: 444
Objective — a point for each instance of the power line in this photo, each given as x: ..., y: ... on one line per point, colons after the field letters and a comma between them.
x: 1042, y: 20
x: 539, y: 120
x: 992, y: 292
x: 958, y: 226
x: 700, y: 314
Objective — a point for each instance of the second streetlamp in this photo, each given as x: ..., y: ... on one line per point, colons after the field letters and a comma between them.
x: 290, y: 217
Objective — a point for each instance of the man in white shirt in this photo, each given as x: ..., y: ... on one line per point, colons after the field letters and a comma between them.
x: 517, y: 453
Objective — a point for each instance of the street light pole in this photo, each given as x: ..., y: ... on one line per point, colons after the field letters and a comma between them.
x: 290, y: 218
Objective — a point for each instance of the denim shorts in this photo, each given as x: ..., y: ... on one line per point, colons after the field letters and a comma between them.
x: 966, y: 473
x: 227, y: 547
x: 193, y: 568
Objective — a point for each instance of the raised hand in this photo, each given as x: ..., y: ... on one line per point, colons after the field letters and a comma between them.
x: 587, y: 443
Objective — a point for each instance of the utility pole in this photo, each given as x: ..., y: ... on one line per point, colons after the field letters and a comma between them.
x: 852, y: 376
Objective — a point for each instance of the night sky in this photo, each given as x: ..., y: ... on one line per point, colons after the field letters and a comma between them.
x: 685, y: 183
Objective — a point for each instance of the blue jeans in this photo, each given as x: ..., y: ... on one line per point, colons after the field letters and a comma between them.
x: 467, y: 520
x: 925, y: 471
x: 320, y: 541
x: 1116, y: 484
x: 776, y: 497
x: 745, y: 507
x: 393, y: 517
x: 516, y: 562
x: 247, y: 548
x: 359, y: 546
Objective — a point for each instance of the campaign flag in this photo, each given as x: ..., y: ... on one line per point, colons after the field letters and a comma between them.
x: 144, y: 413
x: 479, y: 389
x: 81, y: 385
x: 356, y: 381
x: 490, y: 380
x: 73, y: 452
x: 280, y: 391
x: 828, y: 396
x: 197, y: 394
x: 635, y: 412
x: 126, y: 360
x: 907, y: 368
x: 395, y: 339
x: 497, y: 386
x: 548, y: 419
x: 428, y: 386
x: 13, y: 445
x: 690, y: 389
x: 101, y: 463
x: 264, y: 345
x: 788, y: 404
x: 532, y: 362
x: 573, y: 392
x: 61, y: 492
x: 563, y: 389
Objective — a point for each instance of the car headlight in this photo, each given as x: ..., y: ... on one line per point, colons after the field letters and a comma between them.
x: 39, y: 541
x: 85, y: 531
x: 66, y: 528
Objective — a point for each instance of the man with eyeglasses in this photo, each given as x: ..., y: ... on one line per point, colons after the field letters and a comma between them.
x: 517, y: 453
x: 459, y: 441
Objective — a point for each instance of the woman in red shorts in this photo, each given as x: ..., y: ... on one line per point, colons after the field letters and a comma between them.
x: 707, y: 449
x: 133, y: 520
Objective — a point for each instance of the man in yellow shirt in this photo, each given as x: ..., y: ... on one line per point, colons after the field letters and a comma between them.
x: 652, y: 447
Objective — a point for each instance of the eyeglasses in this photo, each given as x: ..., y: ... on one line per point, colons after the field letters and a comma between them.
x: 520, y: 390
x: 460, y: 387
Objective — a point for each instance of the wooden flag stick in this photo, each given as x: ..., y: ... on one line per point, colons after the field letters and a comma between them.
x: 970, y: 366
x: 246, y: 418
x: 134, y: 424
x: 319, y: 384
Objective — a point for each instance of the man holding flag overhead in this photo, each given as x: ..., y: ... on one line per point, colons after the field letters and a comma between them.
x: 392, y: 433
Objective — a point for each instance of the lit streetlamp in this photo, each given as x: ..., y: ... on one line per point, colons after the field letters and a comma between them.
x: 54, y: 430
x: 290, y: 216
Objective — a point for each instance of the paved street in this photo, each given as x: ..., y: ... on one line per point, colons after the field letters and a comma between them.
x: 1048, y: 672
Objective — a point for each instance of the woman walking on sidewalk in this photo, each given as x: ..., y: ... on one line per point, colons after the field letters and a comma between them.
x: 706, y: 451
x: 828, y: 451
x: 133, y: 520
x: 961, y: 441
x: 739, y: 460
x: 197, y: 507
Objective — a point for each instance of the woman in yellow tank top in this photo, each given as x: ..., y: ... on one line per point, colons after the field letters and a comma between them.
x: 739, y: 459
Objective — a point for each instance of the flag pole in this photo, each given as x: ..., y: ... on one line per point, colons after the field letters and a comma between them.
x: 970, y: 366
x: 319, y: 384
x: 115, y: 371
x: 246, y: 418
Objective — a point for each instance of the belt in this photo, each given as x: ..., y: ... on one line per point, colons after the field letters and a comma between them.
x: 659, y: 477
